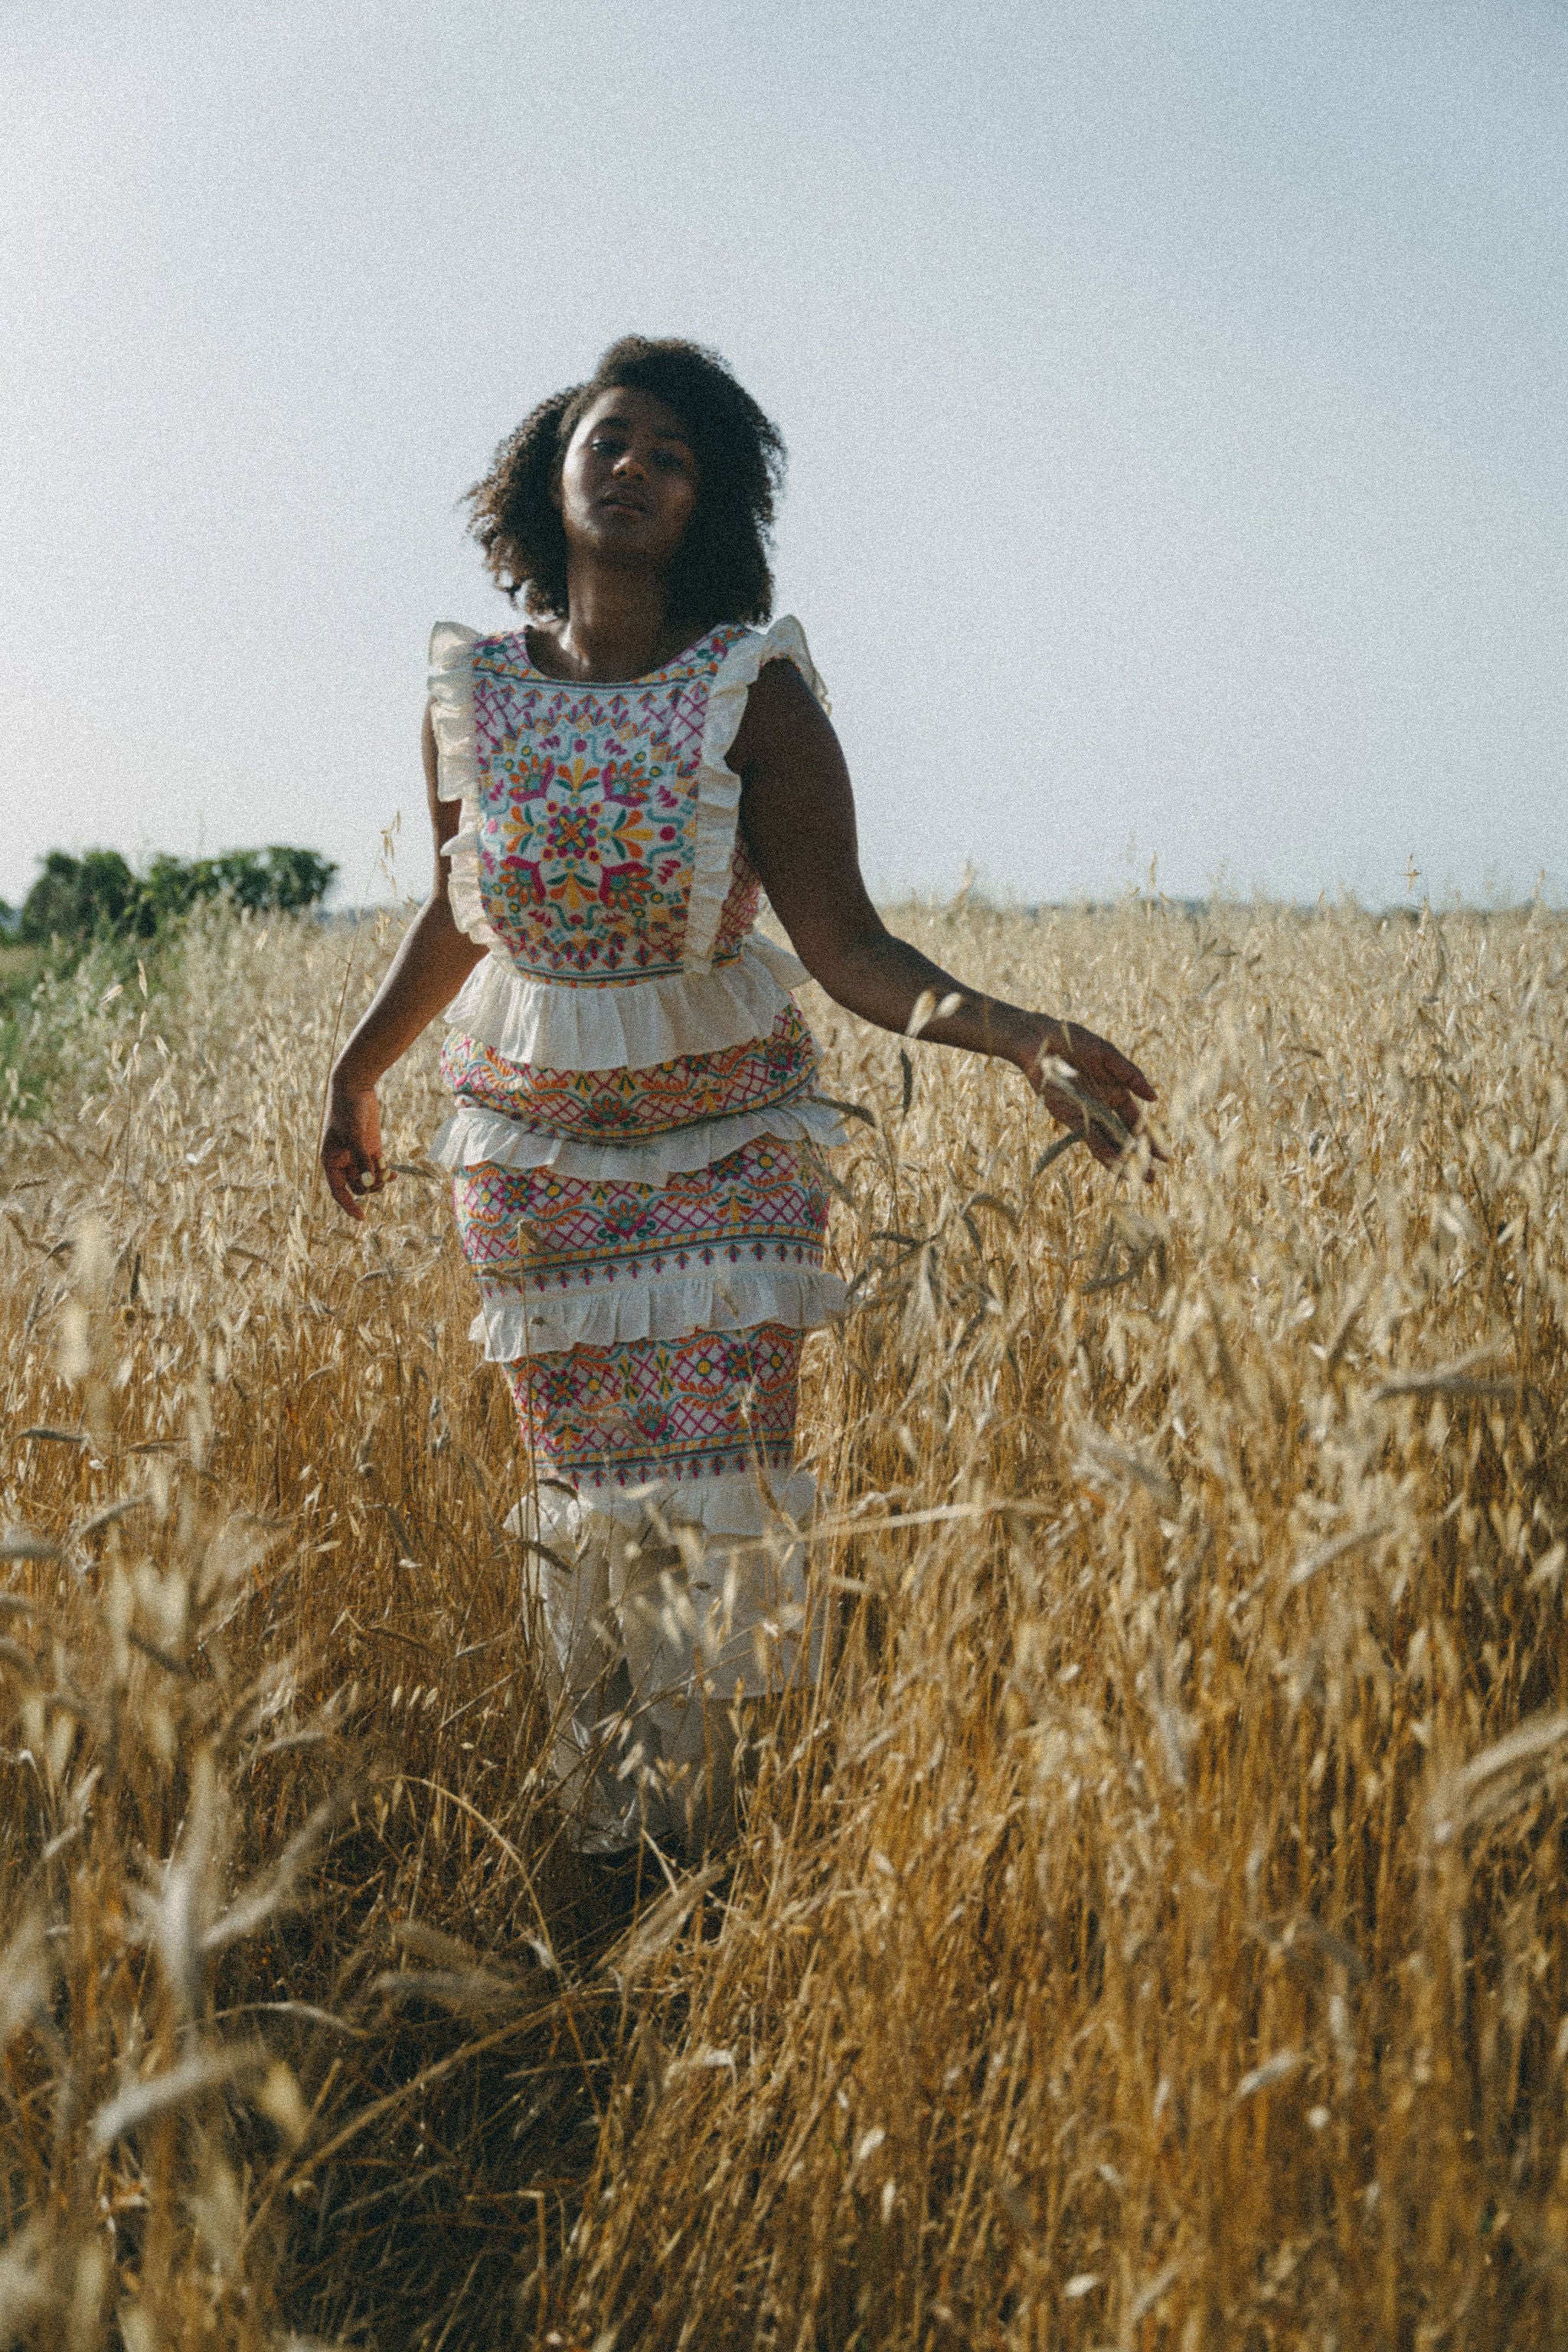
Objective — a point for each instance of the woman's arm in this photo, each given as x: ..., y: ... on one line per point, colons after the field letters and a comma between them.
x: 797, y: 817
x: 430, y: 966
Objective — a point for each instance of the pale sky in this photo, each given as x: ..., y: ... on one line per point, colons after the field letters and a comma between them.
x: 1175, y: 392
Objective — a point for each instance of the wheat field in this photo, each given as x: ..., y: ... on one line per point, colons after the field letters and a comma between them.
x: 1150, y: 1934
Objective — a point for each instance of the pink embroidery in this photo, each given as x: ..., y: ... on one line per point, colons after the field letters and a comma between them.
x: 679, y: 1410
x: 763, y: 1205
x: 740, y: 909
x: 630, y: 1106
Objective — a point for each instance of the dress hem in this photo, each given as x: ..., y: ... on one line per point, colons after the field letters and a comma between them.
x: 514, y: 1322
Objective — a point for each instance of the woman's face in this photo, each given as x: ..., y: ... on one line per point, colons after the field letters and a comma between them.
x: 628, y: 480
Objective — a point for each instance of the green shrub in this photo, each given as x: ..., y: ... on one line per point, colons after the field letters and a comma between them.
x: 79, y: 897
x: 100, y: 896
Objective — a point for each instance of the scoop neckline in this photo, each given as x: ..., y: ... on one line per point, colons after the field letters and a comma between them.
x: 607, y: 684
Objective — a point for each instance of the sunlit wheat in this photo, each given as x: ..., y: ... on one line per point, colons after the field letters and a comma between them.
x: 1152, y: 1932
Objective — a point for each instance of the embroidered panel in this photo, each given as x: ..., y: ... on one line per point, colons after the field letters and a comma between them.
x: 703, y: 1406
x: 620, y: 1106
x: 764, y: 1205
x: 587, y: 815
x: 740, y: 904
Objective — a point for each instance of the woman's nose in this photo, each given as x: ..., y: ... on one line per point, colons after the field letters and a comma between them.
x: 629, y: 462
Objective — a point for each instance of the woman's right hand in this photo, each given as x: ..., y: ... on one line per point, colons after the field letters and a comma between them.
x: 1089, y: 1084
x: 351, y: 1146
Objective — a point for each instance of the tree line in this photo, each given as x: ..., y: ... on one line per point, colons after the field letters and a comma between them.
x: 100, y: 896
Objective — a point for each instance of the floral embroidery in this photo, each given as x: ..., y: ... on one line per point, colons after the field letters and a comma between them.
x: 763, y: 1205
x: 631, y: 1106
x: 699, y: 1407
x: 587, y: 813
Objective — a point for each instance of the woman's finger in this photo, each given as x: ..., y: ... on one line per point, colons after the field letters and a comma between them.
x: 337, y: 1185
x: 1127, y: 1088
x: 1088, y: 1114
x: 1108, y: 1070
x: 1109, y: 1146
x: 1110, y: 1062
x: 1117, y: 1070
x: 340, y: 1168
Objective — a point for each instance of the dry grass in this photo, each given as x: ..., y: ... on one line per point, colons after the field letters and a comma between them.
x: 1154, y: 1934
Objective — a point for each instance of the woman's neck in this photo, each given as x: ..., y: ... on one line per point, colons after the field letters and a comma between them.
x: 618, y: 625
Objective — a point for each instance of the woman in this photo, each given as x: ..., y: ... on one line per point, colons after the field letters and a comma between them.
x: 635, y: 1128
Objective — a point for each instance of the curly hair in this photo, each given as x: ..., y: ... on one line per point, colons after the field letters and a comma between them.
x: 719, y: 571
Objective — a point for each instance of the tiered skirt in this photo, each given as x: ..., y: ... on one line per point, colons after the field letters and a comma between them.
x: 648, y: 1244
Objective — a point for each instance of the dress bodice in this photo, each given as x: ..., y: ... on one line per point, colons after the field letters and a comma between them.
x: 599, y: 843
x: 588, y: 815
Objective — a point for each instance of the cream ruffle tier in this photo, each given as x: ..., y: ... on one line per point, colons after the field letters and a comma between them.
x: 515, y: 1322
x: 626, y: 1024
x: 473, y: 1138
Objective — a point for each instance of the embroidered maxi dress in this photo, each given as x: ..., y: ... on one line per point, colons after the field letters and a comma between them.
x: 634, y: 1146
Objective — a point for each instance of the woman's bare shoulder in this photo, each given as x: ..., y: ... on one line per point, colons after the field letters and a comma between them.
x: 782, y: 716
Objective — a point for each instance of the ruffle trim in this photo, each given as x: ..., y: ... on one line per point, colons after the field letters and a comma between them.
x: 745, y: 1503
x: 633, y: 1025
x: 513, y: 1322
x: 472, y: 1138
x: 457, y: 773
x: 719, y: 787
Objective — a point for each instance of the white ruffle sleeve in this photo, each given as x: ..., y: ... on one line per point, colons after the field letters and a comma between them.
x: 458, y: 773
